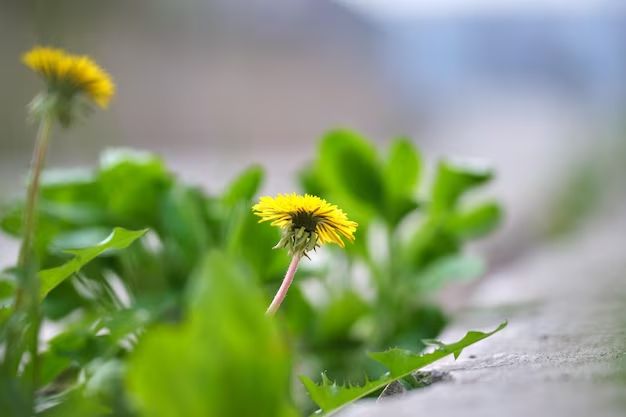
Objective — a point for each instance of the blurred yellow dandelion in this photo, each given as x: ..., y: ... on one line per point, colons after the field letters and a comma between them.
x: 307, y: 221
x: 68, y: 74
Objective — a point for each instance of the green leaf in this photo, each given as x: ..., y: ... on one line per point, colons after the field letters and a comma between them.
x: 401, y: 175
x: 119, y: 239
x: 184, y: 230
x: 349, y: 164
x: 430, y: 242
x: 52, y: 366
x: 330, y: 396
x: 454, y: 180
x: 402, y: 362
x: 133, y: 184
x: 75, y: 403
x: 226, y: 359
x: 453, y: 267
x: 70, y: 186
x: 244, y: 187
x: 254, y: 243
x: 335, y: 319
x: 403, y: 168
x: 311, y: 181
x: 475, y: 222
x: 7, y: 289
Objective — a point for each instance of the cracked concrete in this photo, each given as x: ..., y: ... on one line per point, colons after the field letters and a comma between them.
x: 564, y: 350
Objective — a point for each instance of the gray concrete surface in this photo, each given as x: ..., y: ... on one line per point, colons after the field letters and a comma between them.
x: 564, y: 351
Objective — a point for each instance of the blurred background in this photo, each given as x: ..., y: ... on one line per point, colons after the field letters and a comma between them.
x: 535, y: 88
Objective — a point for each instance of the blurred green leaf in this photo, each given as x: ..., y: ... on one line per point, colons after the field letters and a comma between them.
x: 227, y: 359
x: 429, y: 243
x: 311, y: 181
x: 403, y: 169
x: 81, y: 345
x: 349, y: 164
x: 74, y: 403
x: 330, y: 396
x: 52, y: 366
x: 402, y: 173
x: 334, y: 320
x: 184, y: 230
x: 297, y: 311
x: 133, y: 184
x: 119, y: 239
x: 475, y: 222
x: 7, y: 288
x: 71, y: 187
x: 244, y: 187
x: 419, y: 321
x: 453, y: 180
x: 14, y: 399
x: 11, y: 218
x: 105, y: 381
x: 446, y: 269
x: 254, y: 244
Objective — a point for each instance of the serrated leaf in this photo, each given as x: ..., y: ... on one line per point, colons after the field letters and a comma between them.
x: 402, y: 362
x: 330, y: 396
x: 119, y: 239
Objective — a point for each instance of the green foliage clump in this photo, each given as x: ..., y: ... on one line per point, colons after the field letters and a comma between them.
x: 160, y: 312
x: 408, y: 245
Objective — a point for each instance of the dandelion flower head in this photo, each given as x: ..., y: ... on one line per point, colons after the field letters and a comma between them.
x: 68, y: 75
x: 306, y: 221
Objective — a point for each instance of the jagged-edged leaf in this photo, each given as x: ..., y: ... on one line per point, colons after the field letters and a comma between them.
x: 119, y: 239
x: 401, y: 362
x: 330, y: 396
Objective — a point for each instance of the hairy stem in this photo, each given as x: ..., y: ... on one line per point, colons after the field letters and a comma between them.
x: 284, y: 287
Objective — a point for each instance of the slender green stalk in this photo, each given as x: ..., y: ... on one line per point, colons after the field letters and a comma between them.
x: 30, y: 210
x: 27, y: 294
x: 284, y: 287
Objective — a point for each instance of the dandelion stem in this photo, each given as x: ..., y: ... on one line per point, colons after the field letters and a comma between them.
x: 284, y: 287
x: 30, y: 211
x: 28, y: 288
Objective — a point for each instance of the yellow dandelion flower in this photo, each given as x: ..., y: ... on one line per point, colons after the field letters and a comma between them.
x: 306, y: 221
x: 67, y: 74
